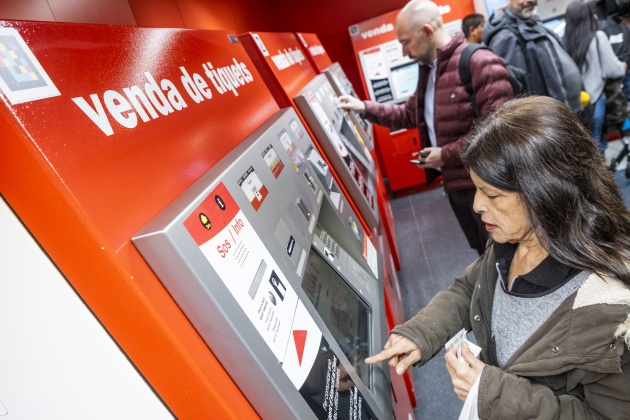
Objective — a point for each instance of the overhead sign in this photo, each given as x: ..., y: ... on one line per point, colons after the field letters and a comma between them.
x: 314, y: 50
x: 282, y: 55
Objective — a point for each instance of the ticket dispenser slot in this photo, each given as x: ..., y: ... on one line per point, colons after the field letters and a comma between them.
x: 303, y: 208
x: 321, y: 167
x: 222, y: 251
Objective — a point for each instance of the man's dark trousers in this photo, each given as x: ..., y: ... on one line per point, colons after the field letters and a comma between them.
x: 470, y: 222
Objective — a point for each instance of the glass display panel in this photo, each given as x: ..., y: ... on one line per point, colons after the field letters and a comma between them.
x: 345, y: 314
x: 405, y: 79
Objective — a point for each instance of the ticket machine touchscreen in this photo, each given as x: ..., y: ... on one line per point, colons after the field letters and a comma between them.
x: 405, y: 79
x: 345, y: 313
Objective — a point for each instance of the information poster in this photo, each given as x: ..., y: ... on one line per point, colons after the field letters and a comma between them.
x: 245, y: 266
x: 375, y: 67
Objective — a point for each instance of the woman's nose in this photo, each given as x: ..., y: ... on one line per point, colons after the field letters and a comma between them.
x: 478, y: 203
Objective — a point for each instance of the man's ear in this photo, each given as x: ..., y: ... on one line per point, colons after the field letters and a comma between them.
x: 428, y: 30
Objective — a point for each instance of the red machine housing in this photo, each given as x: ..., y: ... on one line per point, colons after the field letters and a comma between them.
x: 86, y: 169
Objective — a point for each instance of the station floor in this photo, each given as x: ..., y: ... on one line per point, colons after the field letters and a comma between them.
x: 433, y: 251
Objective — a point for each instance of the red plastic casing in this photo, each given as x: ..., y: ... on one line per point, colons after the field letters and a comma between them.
x: 83, y: 194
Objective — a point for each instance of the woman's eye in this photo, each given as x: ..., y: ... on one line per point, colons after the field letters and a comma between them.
x: 492, y: 197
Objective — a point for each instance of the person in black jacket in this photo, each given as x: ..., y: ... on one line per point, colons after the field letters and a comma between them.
x: 517, y: 35
x: 619, y: 38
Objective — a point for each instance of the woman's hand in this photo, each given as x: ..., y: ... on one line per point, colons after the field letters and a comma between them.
x: 463, y: 375
x: 401, y: 352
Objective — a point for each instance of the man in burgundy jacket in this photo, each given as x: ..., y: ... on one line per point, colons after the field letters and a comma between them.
x: 441, y: 108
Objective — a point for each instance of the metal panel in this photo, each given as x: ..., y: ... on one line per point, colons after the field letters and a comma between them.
x: 204, y: 293
x: 327, y: 121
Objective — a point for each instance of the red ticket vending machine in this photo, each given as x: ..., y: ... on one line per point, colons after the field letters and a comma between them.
x: 389, y: 77
x: 291, y: 83
x: 319, y: 59
x: 284, y: 67
x: 102, y: 127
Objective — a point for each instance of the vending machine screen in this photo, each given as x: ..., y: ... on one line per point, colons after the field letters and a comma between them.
x: 405, y: 79
x: 343, y: 311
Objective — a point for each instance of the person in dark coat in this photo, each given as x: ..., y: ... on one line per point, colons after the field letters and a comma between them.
x: 517, y: 35
x: 441, y: 108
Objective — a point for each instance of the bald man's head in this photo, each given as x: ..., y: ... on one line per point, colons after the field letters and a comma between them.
x: 419, y: 12
x: 420, y: 31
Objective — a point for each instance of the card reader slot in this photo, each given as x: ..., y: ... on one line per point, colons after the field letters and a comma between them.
x: 302, y: 206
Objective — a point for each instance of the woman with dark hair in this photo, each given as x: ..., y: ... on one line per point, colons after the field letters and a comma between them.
x: 549, y: 300
x: 595, y: 58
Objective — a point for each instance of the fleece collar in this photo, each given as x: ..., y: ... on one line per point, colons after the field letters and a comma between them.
x: 604, y: 290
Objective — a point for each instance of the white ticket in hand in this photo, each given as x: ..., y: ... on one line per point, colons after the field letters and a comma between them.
x: 474, y: 349
x: 457, y: 341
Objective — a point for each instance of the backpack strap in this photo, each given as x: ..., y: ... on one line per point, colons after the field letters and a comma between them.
x: 466, y: 77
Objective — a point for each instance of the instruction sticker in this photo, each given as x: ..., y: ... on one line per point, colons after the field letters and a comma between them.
x: 298, y: 161
x: 295, y: 127
x: 22, y: 78
x: 370, y: 255
x: 238, y: 255
x: 273, y: 161
x: 260, y: 44
x: 253, y: 188
x: 286, y: 142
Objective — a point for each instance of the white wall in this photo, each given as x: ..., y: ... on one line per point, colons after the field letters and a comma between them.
x: 56, y: 360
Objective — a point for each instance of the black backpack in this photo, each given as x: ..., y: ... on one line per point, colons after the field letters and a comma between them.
x: 518, y: 77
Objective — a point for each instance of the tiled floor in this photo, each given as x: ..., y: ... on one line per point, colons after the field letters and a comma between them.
x: 433, y: 252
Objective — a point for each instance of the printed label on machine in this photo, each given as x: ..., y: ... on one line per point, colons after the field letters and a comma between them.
x: 253, y: 188
x: 298, y: 161
x: 245, y: 266
x: 22, y: 78
x: 316, y: 372
x: 370, y: 255
x: 260, y: 44
x: 286, y: 142
x: 296, y: 129
x: 273, y: 160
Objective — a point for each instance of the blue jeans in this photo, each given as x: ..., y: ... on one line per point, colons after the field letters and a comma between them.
x: 626, y: 85
x: 626, y: 91
x: 597, y: 125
